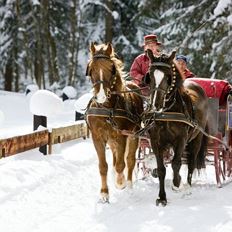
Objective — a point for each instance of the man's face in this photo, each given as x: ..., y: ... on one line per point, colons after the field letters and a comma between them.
x: 154, y: 48
x: 182, y: 65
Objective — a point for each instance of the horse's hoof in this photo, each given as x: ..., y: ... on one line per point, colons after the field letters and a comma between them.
x: 120, y: 181
x: 129, y: 184
x: 162, y: 202
x: 120, y: 185
x: 104, y: 198
x: 178, y: 189
x: 103, y: 201
x: 154, y: 173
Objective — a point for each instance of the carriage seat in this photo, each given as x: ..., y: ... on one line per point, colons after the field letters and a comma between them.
x: 215, y: 89
x: 217, y: 92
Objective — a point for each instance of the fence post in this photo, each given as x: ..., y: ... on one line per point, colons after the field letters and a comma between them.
x: 40, y: 121
x: 78, y: 116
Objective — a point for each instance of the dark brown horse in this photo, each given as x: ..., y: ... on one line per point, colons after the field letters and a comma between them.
x: 113, y: 109
x: 176, y: 113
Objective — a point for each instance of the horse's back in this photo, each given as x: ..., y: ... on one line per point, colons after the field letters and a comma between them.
x: 199, y: 102
x: 135, y: 97
x: 196, y: 93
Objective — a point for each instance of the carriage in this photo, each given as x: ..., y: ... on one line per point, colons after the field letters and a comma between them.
x: 219, y: 146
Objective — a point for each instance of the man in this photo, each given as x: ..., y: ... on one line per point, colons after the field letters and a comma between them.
x: 182, y: 62
x: 140, y: 65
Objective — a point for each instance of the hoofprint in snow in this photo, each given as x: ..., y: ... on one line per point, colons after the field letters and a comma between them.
x: 59, y: 192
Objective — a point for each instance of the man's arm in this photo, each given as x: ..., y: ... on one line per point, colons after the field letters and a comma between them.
x: 136, y: 72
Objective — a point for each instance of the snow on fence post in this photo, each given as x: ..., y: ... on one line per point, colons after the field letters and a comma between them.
x: 31, y: 89
x: 43, y: 104
x: 68, y: 92
x: 81, y: 104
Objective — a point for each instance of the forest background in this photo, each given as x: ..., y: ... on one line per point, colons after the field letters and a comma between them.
x: 46, y: 42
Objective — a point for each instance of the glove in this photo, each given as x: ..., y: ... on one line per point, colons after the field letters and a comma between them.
x: 146, y: 80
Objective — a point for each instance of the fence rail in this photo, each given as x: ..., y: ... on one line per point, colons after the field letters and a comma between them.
x: 17, y: 144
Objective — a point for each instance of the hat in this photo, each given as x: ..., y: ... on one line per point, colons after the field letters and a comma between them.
x: 151, y: 39
x: 182, y: 57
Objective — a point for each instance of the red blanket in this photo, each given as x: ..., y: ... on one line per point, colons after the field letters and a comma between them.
x: 215, y: 88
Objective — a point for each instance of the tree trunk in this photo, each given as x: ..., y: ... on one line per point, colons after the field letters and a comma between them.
x: 73, y: 43
x: 8, y: 75
x: 38, y: 60
x: 46, y: 41
x: 109, y: 21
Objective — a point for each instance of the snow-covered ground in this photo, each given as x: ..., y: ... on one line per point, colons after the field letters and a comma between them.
x: 59, y: 192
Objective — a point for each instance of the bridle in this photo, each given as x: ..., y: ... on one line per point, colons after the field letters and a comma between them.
x: 111, y: 83
x: 171, y: 90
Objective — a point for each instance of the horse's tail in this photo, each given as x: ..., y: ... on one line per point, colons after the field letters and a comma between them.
x: 203, y: 150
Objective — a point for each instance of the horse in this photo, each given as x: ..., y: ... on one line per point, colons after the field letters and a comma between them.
x: 175, y: 119
x: 114, y: 109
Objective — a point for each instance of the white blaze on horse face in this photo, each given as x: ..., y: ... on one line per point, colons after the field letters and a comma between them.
x: 101, y: 96
x: 158, y: 75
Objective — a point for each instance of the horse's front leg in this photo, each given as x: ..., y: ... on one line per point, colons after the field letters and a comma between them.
x: 176, y: 163
x: 103, y: 166
x: 120, y: 181
x: 132, y: 145
x: 161, y: 169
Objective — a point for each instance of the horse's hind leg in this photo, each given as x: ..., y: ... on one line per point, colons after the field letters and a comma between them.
x: 193, y: 149
x: 103, y: 167
x: 132, y: 145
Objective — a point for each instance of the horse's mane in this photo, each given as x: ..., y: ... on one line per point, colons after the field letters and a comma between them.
x: 182, y: 89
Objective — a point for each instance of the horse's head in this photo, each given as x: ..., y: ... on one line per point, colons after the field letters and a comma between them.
x: 104, y: 70
x: 164, y: 79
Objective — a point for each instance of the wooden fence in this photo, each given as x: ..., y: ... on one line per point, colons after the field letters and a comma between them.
x: 17, y: 144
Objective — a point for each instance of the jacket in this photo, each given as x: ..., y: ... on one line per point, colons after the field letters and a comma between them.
x: 188, y: 73
x: 138, y: 70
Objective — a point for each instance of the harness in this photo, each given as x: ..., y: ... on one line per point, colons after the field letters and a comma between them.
x: 112, y: 113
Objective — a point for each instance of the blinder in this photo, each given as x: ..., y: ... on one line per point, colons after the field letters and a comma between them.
x: 169, y: 91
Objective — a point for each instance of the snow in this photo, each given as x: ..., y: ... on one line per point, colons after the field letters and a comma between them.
x: 82, y: 102
x: 59, y: 192
x: 32, y: 88
x: 70, y: 91
x: 35, y: 2
x: 221, y: 6
x: 229, y: 19
x: 1, y: 117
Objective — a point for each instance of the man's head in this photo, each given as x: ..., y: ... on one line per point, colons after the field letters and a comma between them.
x: 182, y: 61
x: 151, y: 42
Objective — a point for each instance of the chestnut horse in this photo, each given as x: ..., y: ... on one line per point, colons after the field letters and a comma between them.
x: 113, y: 109
x: 177, y: 114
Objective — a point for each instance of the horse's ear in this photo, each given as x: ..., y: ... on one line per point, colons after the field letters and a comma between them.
x: 109, y: 49
x: 92, y: 47
x: 172, y: 56
x: 150, y: 55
